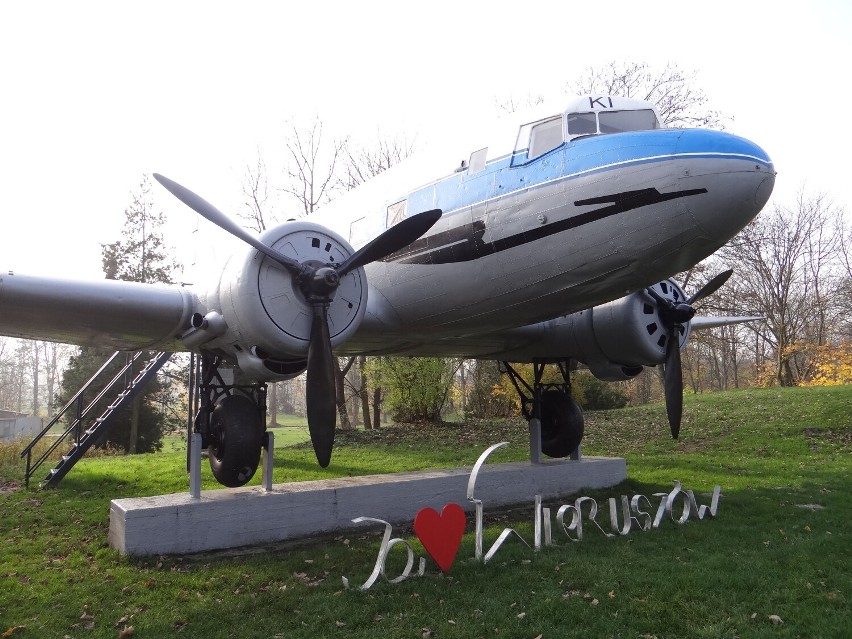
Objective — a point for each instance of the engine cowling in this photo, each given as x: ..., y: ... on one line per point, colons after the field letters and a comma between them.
x: 267, y: 315
x: 617, y: 339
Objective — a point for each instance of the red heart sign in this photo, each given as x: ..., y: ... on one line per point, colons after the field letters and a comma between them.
x: 441, y: 535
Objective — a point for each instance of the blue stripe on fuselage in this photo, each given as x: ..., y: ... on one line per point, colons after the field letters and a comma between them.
x: 581, y: 156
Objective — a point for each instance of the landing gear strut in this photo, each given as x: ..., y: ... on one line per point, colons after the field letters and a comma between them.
x: 231, y: 419
x: 556, y: 420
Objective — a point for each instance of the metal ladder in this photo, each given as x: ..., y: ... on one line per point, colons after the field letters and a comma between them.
x: 84, y: 439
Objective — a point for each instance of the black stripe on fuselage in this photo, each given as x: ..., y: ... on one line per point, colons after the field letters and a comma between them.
x: 465, y: 243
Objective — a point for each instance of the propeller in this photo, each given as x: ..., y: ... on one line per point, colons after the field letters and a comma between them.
x: 318, y: 282
x: 673, y: 316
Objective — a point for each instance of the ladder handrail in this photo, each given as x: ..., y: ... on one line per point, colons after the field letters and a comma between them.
x: 84, y: 413
x: 70, y: 403
x: 84, y: 442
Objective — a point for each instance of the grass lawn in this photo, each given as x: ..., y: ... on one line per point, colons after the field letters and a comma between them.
x: 776, y: 562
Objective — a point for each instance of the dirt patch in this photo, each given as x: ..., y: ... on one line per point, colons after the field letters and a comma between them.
x: 842, y: 437
x: 9, y: 487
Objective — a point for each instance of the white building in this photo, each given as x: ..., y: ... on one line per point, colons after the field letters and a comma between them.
x: 18, y: 426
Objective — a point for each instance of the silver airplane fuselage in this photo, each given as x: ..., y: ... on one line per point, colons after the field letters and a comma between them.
x: 524, y: 242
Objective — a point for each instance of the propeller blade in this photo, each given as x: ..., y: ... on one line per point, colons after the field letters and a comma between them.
x: 210, y: 212
x: 661, y: 301
x: 320, y: 390
x: 673, y: 381
x: 395, y: 238
x: 711, y: 287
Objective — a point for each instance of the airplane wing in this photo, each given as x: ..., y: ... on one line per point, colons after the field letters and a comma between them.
x: 708, y: 321
x: 121, y: 315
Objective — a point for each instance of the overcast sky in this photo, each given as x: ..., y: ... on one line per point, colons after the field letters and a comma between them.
x: 96, y: 94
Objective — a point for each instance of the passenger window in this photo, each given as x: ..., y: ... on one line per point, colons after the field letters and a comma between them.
x: 396, y: 213
x: 582, y: 124
x: 358, y: 235
x: 545, y: 137
x: 477, y: 160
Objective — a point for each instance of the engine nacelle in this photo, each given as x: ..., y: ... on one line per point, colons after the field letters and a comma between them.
x: 610, y: 372
x: 267, y: 316
x: 617, y: 339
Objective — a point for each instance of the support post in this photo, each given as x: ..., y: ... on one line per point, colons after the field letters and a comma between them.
x: 535, y: 441
x: 268, y: 459
x: 195, y: 466
x: 577, y: 454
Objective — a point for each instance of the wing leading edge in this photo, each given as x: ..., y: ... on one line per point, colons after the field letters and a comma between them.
x: 120, y: 315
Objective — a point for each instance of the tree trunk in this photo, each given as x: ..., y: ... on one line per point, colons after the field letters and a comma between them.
x: 134, y: 425
x: 363, y: 394
x: 377, y: 407
x: 272, y: 403
x: 51, y: 378
x: 35, y: 378
x: 463, y: 383
x: 340, y: 392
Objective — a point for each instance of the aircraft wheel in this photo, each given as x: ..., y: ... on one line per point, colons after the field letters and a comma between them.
x: 235, y: 440
x: 561, y: 424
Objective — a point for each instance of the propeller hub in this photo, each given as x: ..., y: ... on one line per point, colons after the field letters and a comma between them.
x: 320, y: 283
x: 682, y: 313
x: 327, y: 277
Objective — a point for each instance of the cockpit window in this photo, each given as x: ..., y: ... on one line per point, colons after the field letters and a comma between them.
x: 618, y: 121
x: 545, y: 137
x: 582, y: 124
x: 611, y: 122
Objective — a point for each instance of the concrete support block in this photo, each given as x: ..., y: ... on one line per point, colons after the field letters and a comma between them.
x: 234, y: 517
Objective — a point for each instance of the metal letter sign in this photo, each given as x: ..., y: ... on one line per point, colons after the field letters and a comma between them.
x: 441, y: 534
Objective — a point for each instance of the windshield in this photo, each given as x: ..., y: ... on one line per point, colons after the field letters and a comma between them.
x: 618, y: 121
x: 582, y: 124
x: 611, y: 122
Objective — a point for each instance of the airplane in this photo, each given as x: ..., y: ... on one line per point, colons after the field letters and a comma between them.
x: 553, y: 242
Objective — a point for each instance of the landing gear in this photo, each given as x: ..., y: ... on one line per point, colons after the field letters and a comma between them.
x: 231, y: 419
x: 561, y: 423
x: 234, y: 440
x: 550, y: 408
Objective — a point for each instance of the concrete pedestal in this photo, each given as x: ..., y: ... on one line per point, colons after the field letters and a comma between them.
x: 229, y: 518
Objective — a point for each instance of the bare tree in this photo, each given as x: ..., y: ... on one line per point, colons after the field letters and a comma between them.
x: 361, y: 164
x: 673, y: 91
x: 789, y: 263
x: 317, y: 170
x: 32, y: 367
x: 844, y: 288
x: 340, y: 388
x: 35, y: 364
x: 257, y: 213
x: 365, y: 162
x: 512, y: 103
x: 256, y: 208
x: 311, y: 166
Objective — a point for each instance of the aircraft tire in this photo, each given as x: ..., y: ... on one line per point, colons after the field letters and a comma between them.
x: 236, y: 438
x: 561, y: 424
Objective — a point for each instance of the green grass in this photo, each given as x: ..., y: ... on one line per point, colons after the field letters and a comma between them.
x: 772, y: 451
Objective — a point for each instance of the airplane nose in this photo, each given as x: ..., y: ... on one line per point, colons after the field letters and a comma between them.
x: 738, y: 175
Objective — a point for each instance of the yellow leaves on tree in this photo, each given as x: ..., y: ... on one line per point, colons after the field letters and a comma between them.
x: 832, y: 365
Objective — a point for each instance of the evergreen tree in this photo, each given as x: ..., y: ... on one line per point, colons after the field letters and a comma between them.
x: 140, y: 255
x: 150, y: 422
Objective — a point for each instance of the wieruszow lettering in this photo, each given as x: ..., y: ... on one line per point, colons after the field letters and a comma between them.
x: 572, y: 521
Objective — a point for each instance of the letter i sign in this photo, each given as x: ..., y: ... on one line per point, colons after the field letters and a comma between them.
x: 441, y: 535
